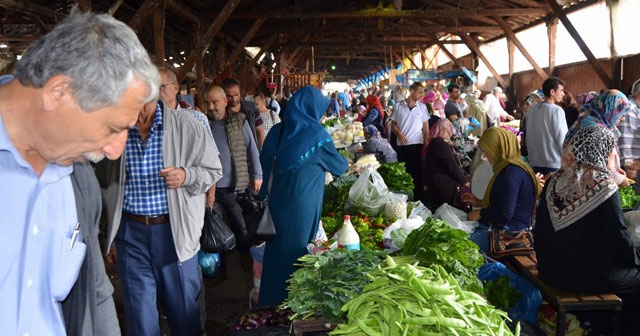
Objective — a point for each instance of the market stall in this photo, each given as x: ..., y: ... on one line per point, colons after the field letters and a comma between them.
x: 416, y: 272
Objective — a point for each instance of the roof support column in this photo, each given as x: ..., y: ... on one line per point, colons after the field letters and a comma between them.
x: 211, y: 32
x: 512, y: 38
x: 604, y: 76
x: 552, y: 33
x: 200, y: 85
x: 473, y: 46
x: 158, y: 34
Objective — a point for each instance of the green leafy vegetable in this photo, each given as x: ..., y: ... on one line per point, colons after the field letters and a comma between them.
x: 336, y: 194
x: 332, y: 122
x: 405, y: 299
x: 396, y: 178
x: 347, y: 155
x: 436, y: 242
x: 628, y: 197
x: 399, y: 236
x: 501, y: 293
x: 325, y: 282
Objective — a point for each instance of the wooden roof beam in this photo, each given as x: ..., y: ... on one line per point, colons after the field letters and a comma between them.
x: 26, y: 7
x: 143, y: 14
x: 473, y: 46
x: 512, y: 37
x: 245, y: 41
x: 114, y: 8
x: 409, y: 55
x: 441, y: 4
x: 403, y: 29
x: 211, y: 32
x: 267, y: 44
x: 369, y: 44
x: 393, y: 14
x: 449, y: 54
x: 606, y: 79
x: 183, y: 12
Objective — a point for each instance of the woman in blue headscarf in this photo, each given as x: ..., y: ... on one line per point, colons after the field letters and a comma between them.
x: 303, y: 151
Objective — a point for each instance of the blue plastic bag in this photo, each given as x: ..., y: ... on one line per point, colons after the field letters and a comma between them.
x: 209, y: 263
x: 527, y: 308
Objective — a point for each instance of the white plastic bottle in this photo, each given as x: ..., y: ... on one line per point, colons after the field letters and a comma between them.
x: 347, y: 236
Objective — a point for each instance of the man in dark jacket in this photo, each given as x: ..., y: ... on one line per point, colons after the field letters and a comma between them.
x: 237, y: 104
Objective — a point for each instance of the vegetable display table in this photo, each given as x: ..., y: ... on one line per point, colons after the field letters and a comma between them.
x: 300, y: 327
x: 565, y: 302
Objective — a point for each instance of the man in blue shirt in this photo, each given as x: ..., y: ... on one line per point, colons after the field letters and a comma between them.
x: 63, y: 107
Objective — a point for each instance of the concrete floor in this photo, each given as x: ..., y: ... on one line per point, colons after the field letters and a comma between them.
x: 227, y: 297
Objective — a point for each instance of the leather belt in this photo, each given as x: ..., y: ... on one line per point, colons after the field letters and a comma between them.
x: 148, y: 220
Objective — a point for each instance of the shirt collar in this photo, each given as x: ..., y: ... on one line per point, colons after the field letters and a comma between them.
x: 157, y: 120
x: 52, y: 171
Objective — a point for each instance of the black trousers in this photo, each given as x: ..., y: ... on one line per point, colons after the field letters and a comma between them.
x: 411, y: 155
x: 227, y: 207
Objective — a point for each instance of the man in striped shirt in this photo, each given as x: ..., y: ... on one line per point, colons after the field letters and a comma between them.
x: 629, y: 140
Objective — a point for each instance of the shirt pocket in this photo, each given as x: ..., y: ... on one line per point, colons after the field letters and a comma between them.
x: 66, y: 267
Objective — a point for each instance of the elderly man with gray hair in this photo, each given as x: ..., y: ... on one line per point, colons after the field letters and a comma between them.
x: 77, y: 91
x: 494, y: 110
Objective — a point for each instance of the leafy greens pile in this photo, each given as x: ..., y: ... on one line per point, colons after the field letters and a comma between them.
x: 628, y: 197
x: 325, y: 282
x: 436, y: 242
x: 396, y: 178
x: 336, y: 194
x: 501, y: 293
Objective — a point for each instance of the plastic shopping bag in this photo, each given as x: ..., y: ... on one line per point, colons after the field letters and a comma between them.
x: 528, y: 306
x: 369, y: 193
x: 456, y: 218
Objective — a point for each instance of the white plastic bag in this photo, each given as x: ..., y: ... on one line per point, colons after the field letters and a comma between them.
x: 369, y: 193
x: 396, y: 206
x: 456, y: 218
x: 421, y: 211
x: 408, y: 225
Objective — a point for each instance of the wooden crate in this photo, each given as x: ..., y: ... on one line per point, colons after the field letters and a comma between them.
x: 300, y: 327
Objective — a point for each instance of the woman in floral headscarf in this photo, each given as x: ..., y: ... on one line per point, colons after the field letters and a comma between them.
x: 606, y: 109
x: 581, y: 242
x: 585, y: 97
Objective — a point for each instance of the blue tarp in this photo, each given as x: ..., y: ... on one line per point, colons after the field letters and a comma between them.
x: 427, y: 75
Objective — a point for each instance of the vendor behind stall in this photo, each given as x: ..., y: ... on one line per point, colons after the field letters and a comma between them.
x: 378, y: 145
x: 511, y: 194
x: 582, y: 243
